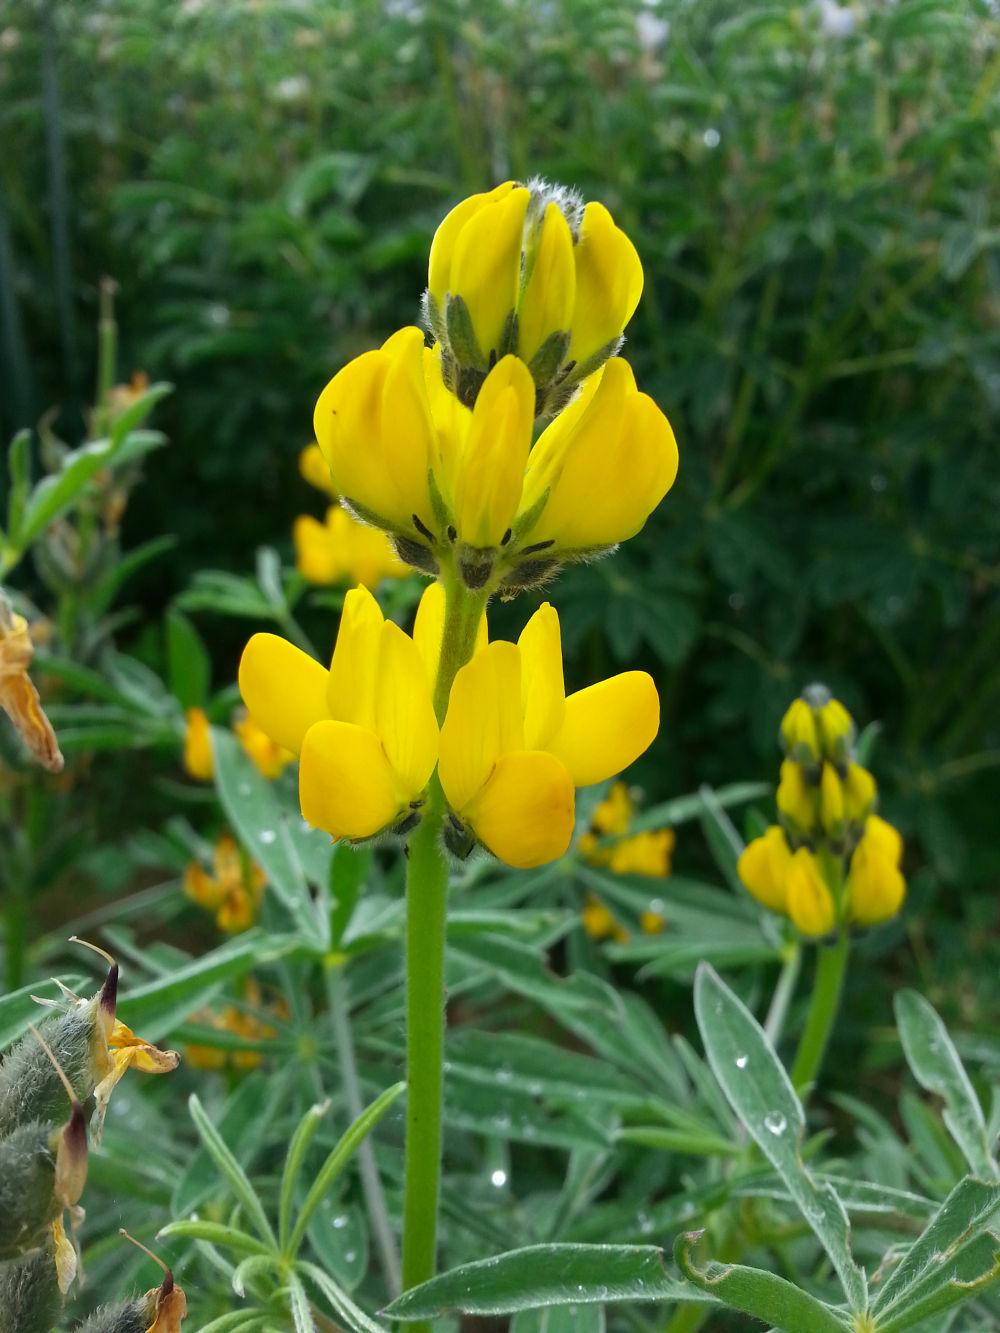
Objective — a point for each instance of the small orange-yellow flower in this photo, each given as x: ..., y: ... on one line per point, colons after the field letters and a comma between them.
x: 608, y: 843
x: 513, y: 746
x: 599, y: 921
x: 342, y: 550
x: 18, y: 696
x: 232, y: 891
x: 198, y: 759
x: 763, y: 867
x: 365, y: 730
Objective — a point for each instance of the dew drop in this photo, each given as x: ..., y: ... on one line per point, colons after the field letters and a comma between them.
x: 742, y: 1061
x: 267, y: 836
x: 775, y: 1123
x: 340, y: 1221
x: 498, y: 1179
x: 350, y: 1257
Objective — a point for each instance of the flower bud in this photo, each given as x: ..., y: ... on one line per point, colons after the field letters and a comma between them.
x: 831, y: 801
x: 796, y: 799
x: 836, y: 726
x: 875, y: 885
x: 798, y: 732
x: 810, y: 903
x: 763, y: 867
x: 530, y: 270
x: 314, y: 469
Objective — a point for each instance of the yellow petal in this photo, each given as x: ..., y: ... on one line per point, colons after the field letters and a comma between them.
x: 65, y: 1256
x: 798, y: 731
x: 486, y: 265
x: 524, y: 813
x: 350, y: 693
x: 831, y: 799
x: 543, y: 694
x: 608, y: 283
x: 346, y: 784
x: 283, y: 688
x: 428, y: 628
x: 860, y: 792
x: 607, y: 726
x: 404, y: 711
x: 491, y: 470
x: 810, y: 903
x: 763, y: 867
x: 546, y: 304
x: 614, y: 814
x: 483, y: 722
x: 606, y: 468
x: 443, y: 244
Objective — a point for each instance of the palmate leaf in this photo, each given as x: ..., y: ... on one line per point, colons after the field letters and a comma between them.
x: 546, y: 1275
x: 760, y: 1092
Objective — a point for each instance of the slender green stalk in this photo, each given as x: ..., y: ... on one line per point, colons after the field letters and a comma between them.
x: 831, y: 968
x: 371, y: 1184
x: 783, y: 992
x: 426, y: 917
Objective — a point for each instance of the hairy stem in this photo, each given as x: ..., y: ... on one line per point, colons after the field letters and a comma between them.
x: 831, y: 968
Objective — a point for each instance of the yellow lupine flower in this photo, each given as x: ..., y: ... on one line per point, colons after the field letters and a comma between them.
x: 809, y: 902
x: 652, y: 922
x: 796, y: 799
x: 763, y: 867
x: 601, y: 467
x: 314, y: 469
x: 530, y: 270
x: 270, y: 760
x: 875, y: 885
x: 365, y: 730
x: 198, y: 759
x: 599, y: 921
x: 342, y: 550
x: 373, y: 424
x: 798, y: 731
x: 513, y: 746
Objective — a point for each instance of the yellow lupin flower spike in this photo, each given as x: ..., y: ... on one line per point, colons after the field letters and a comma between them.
x: 342, y: 550
x: 365, y: 730
x: 530, y: 269
x: 513, y: 746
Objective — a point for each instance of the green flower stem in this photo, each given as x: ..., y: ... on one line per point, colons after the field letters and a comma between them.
x: 831, y: 968
x: 426, y: 917
x: 385, y: 1242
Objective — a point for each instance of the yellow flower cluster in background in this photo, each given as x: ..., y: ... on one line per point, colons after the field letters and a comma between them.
x: 270, y: 759
x: 511, y: 749
x: 239, y: 1022
x: 233, y: 889
x: 342, y: 550
x: 831, y: 860
x: 608, y: 842
x: 313, y: 469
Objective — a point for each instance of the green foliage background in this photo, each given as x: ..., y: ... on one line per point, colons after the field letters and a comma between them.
x: 816, y: 212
